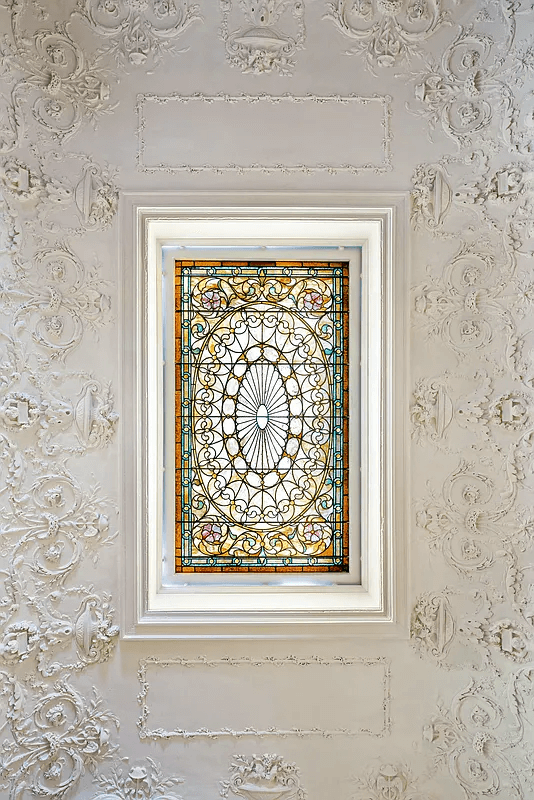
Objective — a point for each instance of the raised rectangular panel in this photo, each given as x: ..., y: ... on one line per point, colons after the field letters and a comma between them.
x: 354, y: 697
x: 263, y: 133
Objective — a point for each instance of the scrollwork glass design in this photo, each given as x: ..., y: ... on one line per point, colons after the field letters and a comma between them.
x: 261, y: 352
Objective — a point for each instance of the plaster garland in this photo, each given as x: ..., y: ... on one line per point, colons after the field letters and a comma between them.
x: 259, y: 46
x: 160, y: 734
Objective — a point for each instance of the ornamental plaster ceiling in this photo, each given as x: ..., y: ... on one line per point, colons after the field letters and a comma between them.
x: 422, y: 96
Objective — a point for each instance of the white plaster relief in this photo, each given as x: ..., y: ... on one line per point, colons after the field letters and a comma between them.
x: 264, y: 42
x: 61, y: 85
x: 387, y: 32
x: 268, y: 775
x: 139, y: 30
x: 161, y: 733
x: 57, y: 735
x: 139, y: 782
x: 332, y: 167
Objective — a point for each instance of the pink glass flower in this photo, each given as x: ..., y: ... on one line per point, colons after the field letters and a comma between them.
x: 211, y: 300
x: 211, y: 532
x: 313, y: 532
x: 312, y: 301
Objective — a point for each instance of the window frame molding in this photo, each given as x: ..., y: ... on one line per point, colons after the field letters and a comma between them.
x: 376, y: 607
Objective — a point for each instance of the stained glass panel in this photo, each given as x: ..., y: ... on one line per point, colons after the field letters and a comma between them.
x: 261, y: 351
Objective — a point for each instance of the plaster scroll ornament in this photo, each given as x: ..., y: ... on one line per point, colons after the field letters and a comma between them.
x: 473, y: 739
x: 467, y: 89
x: 387, y: 32
x: 56, y: 297
x: 265, y: 42
x: 390, y: 782
x: 60, y: 87
x: 139, y: 30
x: 56, y: 736
x: 139, y: 782
x: 471, y: 522
x: 266, y: 777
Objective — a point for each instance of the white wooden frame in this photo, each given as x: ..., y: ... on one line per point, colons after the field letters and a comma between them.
x: 376, y: 605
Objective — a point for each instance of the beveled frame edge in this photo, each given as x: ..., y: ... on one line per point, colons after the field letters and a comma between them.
x: 391, y: 620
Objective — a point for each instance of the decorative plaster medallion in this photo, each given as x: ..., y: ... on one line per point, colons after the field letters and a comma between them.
x: 259, y: 46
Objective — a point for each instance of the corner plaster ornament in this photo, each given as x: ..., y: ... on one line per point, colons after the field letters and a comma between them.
x: 474, y: 739
x: 264, y: 43
x: 387, y: 32
x: 268, y: 776
x: 85, y: 201
x: 56, y: 736
x: 139, y: 30
x: 56, y: 297
x: 389, y: 782
x: 138, y: 782
x: 61, y: 85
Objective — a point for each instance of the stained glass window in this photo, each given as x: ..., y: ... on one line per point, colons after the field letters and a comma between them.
x: 261, y: 352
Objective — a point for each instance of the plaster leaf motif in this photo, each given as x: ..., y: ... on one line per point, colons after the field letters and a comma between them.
x: 139, y: 30
x: 57, y: 735
x: 261, y: 45
x: 387, y: 32
x: 144, y: 781
x: 267, y: 776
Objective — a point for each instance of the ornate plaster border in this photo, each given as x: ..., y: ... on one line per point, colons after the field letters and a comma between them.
x: 352, y: 169
x: 178, y: 733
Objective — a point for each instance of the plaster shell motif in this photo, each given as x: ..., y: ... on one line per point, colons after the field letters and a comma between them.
x: 139, y: 30
x: 61, y: 85
x: 264, y: 42
x: 387, y: 32
x: 56, y: 736
x: 140, y: 782
x: 254, y: 777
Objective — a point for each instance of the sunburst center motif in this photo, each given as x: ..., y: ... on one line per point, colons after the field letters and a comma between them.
x: 262, y: 417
